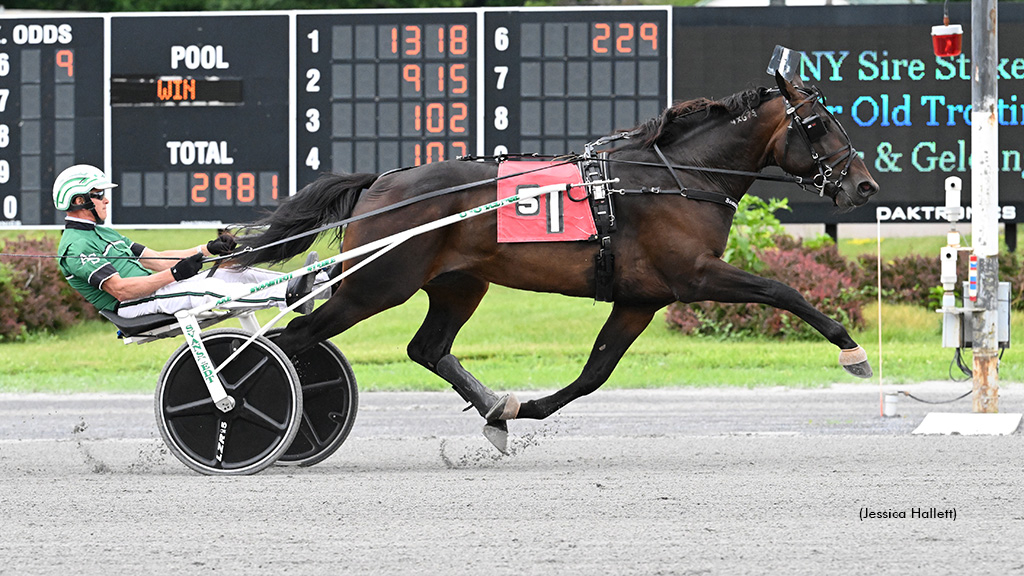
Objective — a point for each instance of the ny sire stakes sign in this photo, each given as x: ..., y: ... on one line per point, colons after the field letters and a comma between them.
x: 210, y: 118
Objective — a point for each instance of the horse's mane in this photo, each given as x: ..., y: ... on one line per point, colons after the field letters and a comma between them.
x: 676, y: 120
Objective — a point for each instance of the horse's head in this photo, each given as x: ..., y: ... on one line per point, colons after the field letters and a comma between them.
x: 811, y: 144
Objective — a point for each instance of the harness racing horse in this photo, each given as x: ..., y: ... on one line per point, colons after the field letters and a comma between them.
x: 667, y: 247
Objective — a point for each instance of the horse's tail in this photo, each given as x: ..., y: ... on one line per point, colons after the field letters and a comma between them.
x: 276, y: 238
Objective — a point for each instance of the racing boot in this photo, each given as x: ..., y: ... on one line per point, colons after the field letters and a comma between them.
x: 491, y: 406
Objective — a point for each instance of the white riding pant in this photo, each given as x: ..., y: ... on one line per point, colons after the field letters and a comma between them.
x: 202, y: 290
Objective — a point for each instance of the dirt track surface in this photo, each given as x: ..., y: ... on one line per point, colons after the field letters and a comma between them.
x: 645, y: 482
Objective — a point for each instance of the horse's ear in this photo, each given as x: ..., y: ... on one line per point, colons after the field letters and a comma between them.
x: 784, y: 86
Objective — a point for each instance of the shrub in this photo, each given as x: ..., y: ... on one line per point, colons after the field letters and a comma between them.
x: 1011, y: 269
x: 34, y: 297
x: 754, y: 229
x: 905, y: 280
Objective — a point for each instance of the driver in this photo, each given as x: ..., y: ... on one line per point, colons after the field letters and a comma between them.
x: 114, y: 273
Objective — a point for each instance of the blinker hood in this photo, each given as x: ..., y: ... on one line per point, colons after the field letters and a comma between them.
x: 784, y: 61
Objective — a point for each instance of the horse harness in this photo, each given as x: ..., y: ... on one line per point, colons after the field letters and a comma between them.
x: 595, y: 168
x: 812, y: 129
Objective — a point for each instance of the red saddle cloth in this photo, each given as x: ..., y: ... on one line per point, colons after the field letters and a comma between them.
x: 550, y: 217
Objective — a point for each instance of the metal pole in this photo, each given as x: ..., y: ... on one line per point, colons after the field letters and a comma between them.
x: 985, y: 202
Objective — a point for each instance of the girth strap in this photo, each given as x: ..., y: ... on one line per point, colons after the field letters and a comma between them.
x: 604, y: 222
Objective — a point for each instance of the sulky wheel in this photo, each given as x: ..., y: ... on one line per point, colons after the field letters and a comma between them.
x: 329, y: 403
x: 253, y: 434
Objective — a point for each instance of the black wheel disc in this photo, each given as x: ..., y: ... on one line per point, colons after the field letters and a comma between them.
x: 330, y: 400
x: 249, y: 437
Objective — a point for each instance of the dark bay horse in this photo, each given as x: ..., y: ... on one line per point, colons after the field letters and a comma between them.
x: 667, y: 247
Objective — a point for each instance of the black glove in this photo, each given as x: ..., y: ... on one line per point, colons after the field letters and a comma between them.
x: 224, y: 244
x: 187, y: 267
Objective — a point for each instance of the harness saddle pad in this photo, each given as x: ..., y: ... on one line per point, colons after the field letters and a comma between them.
x: 551, y: 217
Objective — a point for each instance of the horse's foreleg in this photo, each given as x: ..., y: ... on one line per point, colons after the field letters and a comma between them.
x: 722, y: 282
x: 620, y: 330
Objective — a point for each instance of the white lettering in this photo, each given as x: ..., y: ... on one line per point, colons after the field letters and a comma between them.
x: 188, y: 153
x: 933, y: 213
x: 196, y: 57
x: 42, y: 34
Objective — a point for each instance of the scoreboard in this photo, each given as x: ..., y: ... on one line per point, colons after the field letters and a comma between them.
x: 211, y: 118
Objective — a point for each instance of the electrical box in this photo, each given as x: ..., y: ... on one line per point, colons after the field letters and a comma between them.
x: 957, y: 330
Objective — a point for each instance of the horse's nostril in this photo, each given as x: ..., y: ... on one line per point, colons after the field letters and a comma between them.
x: 867, y: 189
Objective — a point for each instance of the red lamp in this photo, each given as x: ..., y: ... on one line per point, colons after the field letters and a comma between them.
x: 947, y: 40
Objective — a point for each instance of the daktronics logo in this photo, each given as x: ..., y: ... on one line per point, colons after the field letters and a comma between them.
x: 933, y: 213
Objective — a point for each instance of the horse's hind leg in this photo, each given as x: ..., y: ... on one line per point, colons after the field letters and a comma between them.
x: 453, y: 299
x: 619, y: 332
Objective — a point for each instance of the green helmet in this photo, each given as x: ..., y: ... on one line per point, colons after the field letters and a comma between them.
x: 77, y: 180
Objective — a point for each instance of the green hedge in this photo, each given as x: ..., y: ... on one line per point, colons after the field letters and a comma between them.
x: 34, y: 297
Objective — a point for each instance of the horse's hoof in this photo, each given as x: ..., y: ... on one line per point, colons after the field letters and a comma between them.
x: 860, y: 370
x: 506, y: 408
x: 497, y: 433
x: 855, y: 361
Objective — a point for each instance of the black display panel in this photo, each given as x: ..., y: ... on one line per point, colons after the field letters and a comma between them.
x: 51, y: 110
x: 557, y: 79
x: 377, y: 91
x: 907, y: 111
x: 199, y: 117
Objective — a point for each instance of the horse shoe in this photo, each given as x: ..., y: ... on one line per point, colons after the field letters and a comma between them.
x: 506, y: 408
x: 855, y: 361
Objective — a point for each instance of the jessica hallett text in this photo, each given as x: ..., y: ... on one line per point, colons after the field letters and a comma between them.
x: 915, y: 513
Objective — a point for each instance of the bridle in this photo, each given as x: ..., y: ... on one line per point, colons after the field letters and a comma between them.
x: 812, y: 129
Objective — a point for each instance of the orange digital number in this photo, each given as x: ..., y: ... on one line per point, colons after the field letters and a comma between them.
x: 200, y: 187
x: 411, y: 73
x: 604, y: 32
x: 435, y: 118
x: 245, y: 184
x: 460, y: 84
x: 460, y: 110
x: 459, y: 40
x: 413, y: 41
x: 66, y: 60
x: 649, y: 32
x: 621, y: 40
